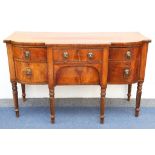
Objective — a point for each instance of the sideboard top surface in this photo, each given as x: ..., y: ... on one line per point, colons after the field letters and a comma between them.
x: 52, y: 38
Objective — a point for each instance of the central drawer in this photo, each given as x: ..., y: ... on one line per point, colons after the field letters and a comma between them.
x: 77, y: 55
x: 76, y: 74
x: 77, y: 66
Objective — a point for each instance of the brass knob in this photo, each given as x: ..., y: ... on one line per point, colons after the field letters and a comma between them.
x: 27, y: 54
x: 128, y: 55
x: 65, y: 55
x: 126, y: 72
x: 28, y: 72
x: 90, y: 55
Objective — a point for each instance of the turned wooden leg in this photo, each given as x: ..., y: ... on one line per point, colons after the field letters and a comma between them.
x: 23, y: 92
x: 129, y: 91
x: 138, y: 98
x: 52, y: 105
x: 102, y: 104
x: 15, y: 97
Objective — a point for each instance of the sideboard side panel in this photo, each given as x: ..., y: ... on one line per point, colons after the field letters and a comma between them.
x: 143, y: 59
x: 11, y: 61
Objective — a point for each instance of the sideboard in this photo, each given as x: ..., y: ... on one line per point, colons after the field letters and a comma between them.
x: 56, y: 58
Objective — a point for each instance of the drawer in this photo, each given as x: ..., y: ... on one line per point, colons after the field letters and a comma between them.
x: 77, y: 75
x: 122, y: 72
x: 123, y: 54
x: 68, y: 55
x: 91, y: 55
x: 65, y: 55
x: 31, y: 73
x: 30, y: 54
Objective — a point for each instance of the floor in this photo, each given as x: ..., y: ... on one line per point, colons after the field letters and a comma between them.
x: 77, y: 114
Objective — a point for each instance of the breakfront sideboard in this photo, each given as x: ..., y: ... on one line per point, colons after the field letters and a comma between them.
x: 77, y: 59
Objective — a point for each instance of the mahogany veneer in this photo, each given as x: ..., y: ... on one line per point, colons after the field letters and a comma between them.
x: 77, y: 59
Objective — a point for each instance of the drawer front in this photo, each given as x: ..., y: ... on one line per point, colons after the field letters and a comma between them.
x: 63, y: 55
x: 91, y: 55
x: 122, y: 72
x: 30, y: 54
x: 123, y: 54
x: 77, y: 55
x: 76, y: 75
x: 31, y: 73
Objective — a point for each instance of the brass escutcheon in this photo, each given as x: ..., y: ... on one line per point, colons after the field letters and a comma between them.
x: 126, y: 72
x: 128, y: 55
x: 65, y: 55
x: 27, y: 54
x: 28, y: 71
x: 90, y: 55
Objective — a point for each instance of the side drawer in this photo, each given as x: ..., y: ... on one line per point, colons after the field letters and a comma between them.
x: 31, y: 73
x: 122, y: 72
x: 30, y: 54
x: 123, y: 53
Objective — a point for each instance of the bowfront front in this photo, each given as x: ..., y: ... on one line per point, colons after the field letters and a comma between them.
x: 77, y: 59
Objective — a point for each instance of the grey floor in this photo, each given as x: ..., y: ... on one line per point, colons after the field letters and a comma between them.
x: 116, y: 102
x: 77, y: 113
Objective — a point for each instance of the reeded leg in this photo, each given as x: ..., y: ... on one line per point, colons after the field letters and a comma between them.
x: 102, y: 104
x: 138, y: 98
x: 15, y: 97
x: 23, y: 92
x: 129, y: 91
x: 52, y: 105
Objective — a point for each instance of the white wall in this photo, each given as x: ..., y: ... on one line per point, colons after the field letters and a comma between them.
x: 79, y: 16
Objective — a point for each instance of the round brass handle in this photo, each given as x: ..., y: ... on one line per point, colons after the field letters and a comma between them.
x: 65, y: 55
x: 27, y: 54
x: 28, y: 72
x: 90, y: 55
x: 128, y: 54
x: 126, y: 72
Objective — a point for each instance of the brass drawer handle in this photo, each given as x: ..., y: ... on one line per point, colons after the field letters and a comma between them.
x: 27, y: 55
x: 128, y: 55
x: 65, y: 55
x: 90, y: 55
x: 126, y: 72
x: 28, y: 72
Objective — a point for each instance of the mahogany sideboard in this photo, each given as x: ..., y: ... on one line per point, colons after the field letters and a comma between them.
x: 77, y: 59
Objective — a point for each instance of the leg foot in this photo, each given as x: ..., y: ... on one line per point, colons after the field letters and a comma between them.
x: 52, y: 120
x: 15, y: 97
x: 52, y: 105
x: 102, y: 104
x: 101, y: 120
x: 129, y: 91
x: 137, y: 112
x: 138, y: 98
x: 17, y: 113
x: 23, y: 92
